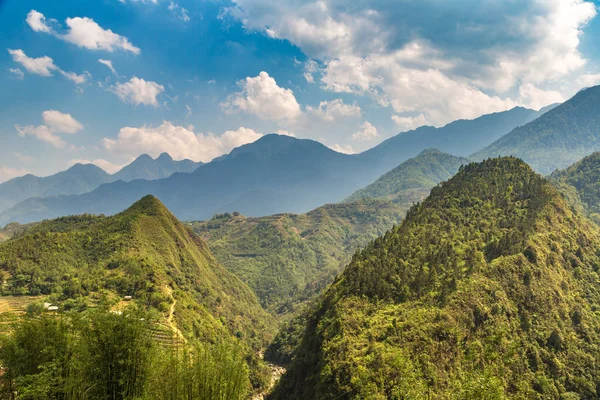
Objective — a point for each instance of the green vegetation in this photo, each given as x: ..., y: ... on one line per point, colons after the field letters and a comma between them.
x: 488, y: 289
x: 102, y: 355
x: 557, y: 139
x: 412, y: 180
x: 288, y: 258
x: 580, y: 183
x: 84, y: 262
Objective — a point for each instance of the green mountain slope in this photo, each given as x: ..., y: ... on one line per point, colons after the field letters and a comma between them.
x: 288, y: 258
x: 488, y: 289
x: 580, y: 183
x: 412, y: 180
x: 558, y: 138
x: 143, y: 252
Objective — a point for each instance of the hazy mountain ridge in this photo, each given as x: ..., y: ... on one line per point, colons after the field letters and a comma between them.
x: 84, y: 178
x: 459, y: 138
x: 484, y: 289
x: 412, y: 180
x: 557, y: 139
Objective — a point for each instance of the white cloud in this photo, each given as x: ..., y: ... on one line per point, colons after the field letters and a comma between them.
x: 588, y: 80
x: 366, y: 132
x: 332, y: 110
x: 138, y: 91
x: 7, y: 173
x: 44, y: 66
x: 261, y: 96
x: 444, y: 60
x: 284, y: 132
x: 83, y: 32
x: 179, y: 12
x: 536, y: 98
x: 178, y: 141
x: 60, y: 122
x: 17, y: 72
x: 37, y: 21
x: 55, y: 123
x: 345, y: 149
x: 310, y: 68
x: 107, y: 166
x: 189, y: 111
x: 108, y: 64
x: 42, y: 133
x: 408, y: 123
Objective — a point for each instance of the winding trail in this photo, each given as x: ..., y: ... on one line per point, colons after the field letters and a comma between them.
x: 172, y: 324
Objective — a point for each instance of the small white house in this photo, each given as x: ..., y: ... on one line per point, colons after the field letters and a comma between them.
x: 52, y: 308
x: 127, y: 298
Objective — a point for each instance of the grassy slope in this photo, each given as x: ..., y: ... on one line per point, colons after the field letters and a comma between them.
x: 142, y: 252
x: 489, y: 289
x: 288, y: 258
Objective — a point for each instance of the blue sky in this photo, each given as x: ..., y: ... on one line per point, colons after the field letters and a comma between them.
x: 197, y: 78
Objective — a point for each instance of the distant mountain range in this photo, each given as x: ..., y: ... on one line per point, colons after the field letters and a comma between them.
x: 556, y: 139
x: 274, y: 174
x: 83, y: 178
x: 283, y: 174
x: 460, y: 138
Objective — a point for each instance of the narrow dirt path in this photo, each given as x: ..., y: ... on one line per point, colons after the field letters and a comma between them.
x: 172, y: 324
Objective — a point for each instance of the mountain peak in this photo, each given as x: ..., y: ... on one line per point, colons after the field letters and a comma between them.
x: 148, y: 205
x: 164, y: 157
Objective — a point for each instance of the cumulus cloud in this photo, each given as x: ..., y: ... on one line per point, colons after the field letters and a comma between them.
x: 332, y: 110
x: 178, y: 141
x: 43, y: 66
x: 60, y: 122
x: 42, y: 133
x: 7, y: 173
x: 138, y: 91
x: 444, y: 60
x: 285, y: 133
x: 262, y: 97
x: 82, y: 32
x: 408, y: 123
x: 109, y: 65
x: 55, y: 123
x: 366, y: 132
x: 345, y: 149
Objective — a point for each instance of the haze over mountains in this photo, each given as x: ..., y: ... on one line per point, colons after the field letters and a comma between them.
x: 556, y: 139
x: 274, y: 174
x: 83, y: 178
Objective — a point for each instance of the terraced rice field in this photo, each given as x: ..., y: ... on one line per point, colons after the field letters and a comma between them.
x: 11, y: 308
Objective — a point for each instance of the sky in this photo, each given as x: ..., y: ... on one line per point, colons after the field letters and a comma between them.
x: 107, y: 80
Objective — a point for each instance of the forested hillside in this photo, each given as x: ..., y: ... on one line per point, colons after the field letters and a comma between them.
x: 488, y: 289
x: 288, y: 258
x: 412, y: 180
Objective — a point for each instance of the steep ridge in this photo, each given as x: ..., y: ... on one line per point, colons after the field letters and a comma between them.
x: 557, y: 139
x: 460, y: 138
x: 79, y: 261
x: 412, y: 180
x: 488, y: 289
x: 289, y: 258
